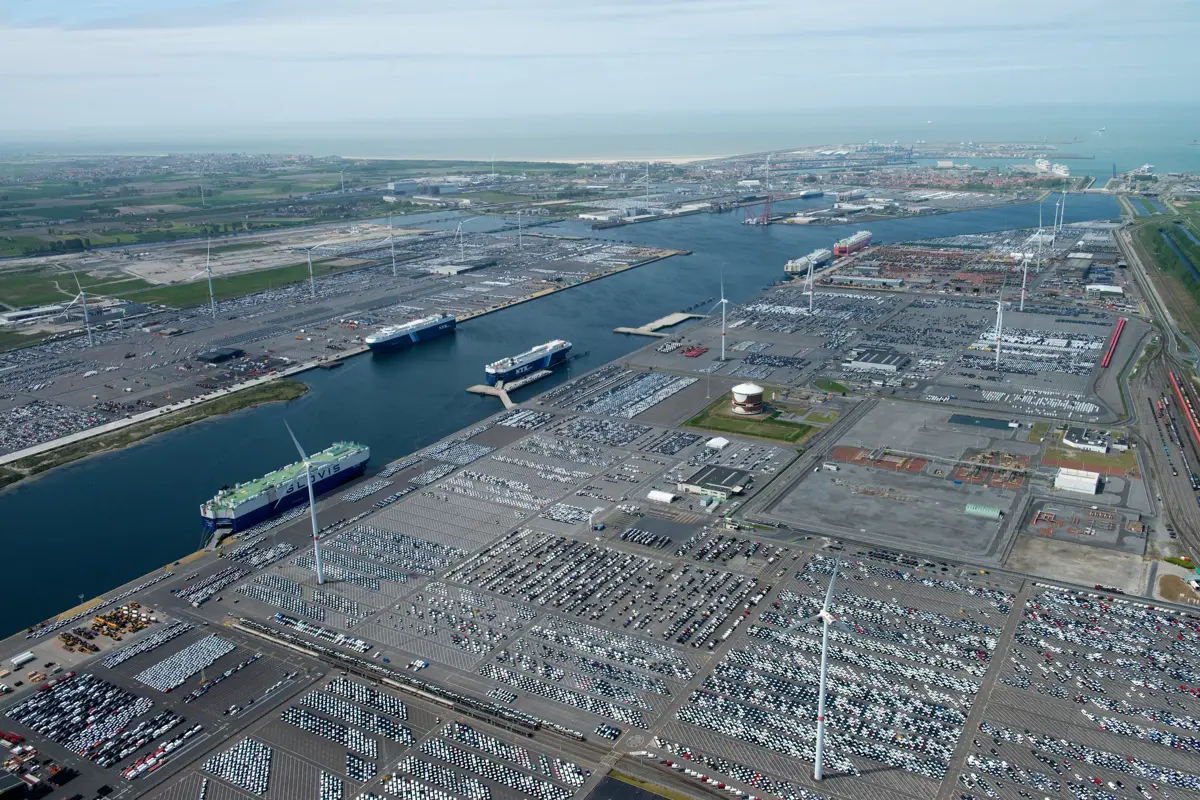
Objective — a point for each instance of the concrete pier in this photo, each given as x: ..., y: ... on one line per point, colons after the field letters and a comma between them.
x: 501, y: 390
x: 655, y: 328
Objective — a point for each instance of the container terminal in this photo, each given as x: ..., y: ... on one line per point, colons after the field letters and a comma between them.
x: 612, y: 577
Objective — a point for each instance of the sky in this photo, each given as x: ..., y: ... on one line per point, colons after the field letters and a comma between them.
x: 90, y: 65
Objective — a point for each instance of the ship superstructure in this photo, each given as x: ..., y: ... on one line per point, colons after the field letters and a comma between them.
x: 396, y: 337
x: 852, y: 244
x: 544, y: 356
x: 817, y: 258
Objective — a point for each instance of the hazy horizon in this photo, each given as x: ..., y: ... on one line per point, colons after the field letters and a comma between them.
x: 180, y: 70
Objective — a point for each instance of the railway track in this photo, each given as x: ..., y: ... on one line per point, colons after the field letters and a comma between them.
x: 1170, y: 448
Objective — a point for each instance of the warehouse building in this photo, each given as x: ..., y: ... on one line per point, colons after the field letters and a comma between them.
x: 716, y: 481
x: 1077, y: 480
x: 875, y: 359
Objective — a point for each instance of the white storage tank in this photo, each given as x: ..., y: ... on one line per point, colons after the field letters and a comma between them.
x: 747, y: 399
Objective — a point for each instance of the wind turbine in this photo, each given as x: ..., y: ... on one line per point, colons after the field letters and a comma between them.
x: 312, y: 283
x: 828, y: 620
x: 809, y: 282
x: 999, y: 323
x: 342, y: 174
x: 212, y: 301
x: 1024, y: 278
x: 458, y: 232
x: 82, y: 298
x: 312, y: 504
x: 722, y: 303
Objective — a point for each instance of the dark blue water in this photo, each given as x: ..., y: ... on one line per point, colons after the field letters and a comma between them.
x: 1188, y: 233
x: 90, y: 526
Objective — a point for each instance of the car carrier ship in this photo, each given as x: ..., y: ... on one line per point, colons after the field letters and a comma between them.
x: 246, y: 504
x: 852, y: 244
x: 544, y: 356
x: 397, y: 337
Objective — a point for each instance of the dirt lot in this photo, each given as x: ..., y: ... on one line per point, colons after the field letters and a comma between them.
x: 1075, y: 563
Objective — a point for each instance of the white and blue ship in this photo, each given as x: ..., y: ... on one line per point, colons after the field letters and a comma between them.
x: 544, y: 356
x: 398, y: 337
x: 247, y: 504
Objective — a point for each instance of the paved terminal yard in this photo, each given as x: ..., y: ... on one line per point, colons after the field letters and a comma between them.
x: 145, y: 357
x: 508, y: 613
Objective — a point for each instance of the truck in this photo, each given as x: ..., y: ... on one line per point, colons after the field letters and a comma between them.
x: 22, y: 660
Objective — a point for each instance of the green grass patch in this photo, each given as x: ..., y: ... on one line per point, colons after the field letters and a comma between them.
x: 647, y: 786
x: 718, y: 417
x: 41, y: 288
x: 1085, y: 459
x: 1178, y: 288
x: 11, y: 340
x: 1181, y: 561
x: 822, y: 417
x: 8, y: 476
x: 226, y: 248
x: 275, y: 391
x: 833, y: 387
x: 1150, y: 209
x: 186, y: 295
x: 1038, y: 432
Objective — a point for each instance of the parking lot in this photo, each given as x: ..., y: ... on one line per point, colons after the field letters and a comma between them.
x: 510, y: 612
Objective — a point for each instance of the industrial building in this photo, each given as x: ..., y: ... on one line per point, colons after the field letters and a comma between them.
x: 875, y: 359
x: 660, y: 496
x: 220, y: 355
x: 1093, y: 441
x: 716, y: 481
x: 747, y: 399
x: 984, y: 512
x: 864, y: 280
x: 1077, y: 480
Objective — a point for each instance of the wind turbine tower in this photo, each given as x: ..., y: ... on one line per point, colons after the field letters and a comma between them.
x: 828, y: 620
x: 312, y: 505
x: 82, y: 298
x: 312, y: 283
x: 809, y: 282
x: 212, y: 300
x: 1024, y: 278
x: 722, y: 303
x: 342, y: 174
x: 999, y: 325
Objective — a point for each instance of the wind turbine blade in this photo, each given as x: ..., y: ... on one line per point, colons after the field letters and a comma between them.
x: 844, y: 627
x: 808, y: 620
x: 78, y: 286
x: 299, y: 449
x: 829, y: 591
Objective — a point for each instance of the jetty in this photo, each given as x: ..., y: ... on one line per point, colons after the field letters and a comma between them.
x: 656, y: 327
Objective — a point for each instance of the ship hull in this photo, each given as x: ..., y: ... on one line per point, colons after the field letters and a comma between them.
x: 252, y: 518
x: 548, y: 361
x: 407, y: 340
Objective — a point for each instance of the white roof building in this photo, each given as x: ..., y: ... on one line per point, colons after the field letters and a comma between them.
x: 1077, y: 480
x: 717, y: 443
x: 660, y: 497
